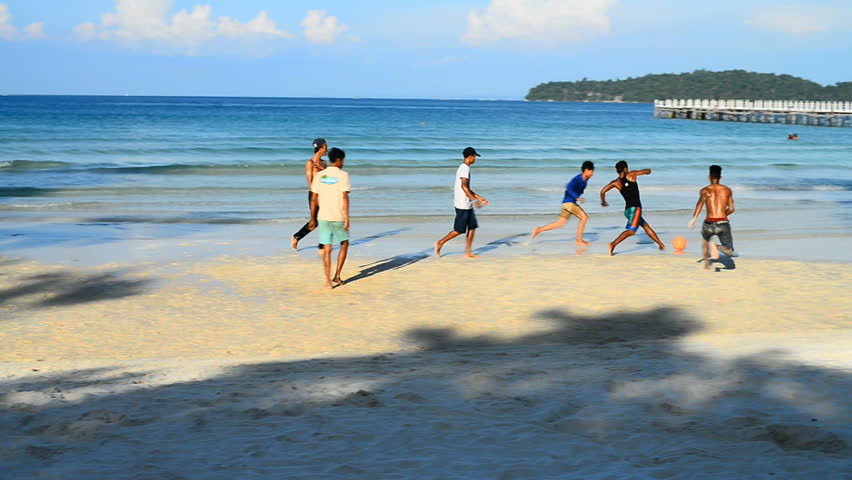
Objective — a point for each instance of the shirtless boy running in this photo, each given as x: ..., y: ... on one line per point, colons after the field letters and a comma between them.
x: 720, y: 203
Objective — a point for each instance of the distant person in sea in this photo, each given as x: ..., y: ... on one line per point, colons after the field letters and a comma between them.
x: 629, y: 189
x: 570, y: 204
x: 464, y: 199
x: 330, y: 198
x: 312, y: 166
x: 793, y: 136
x: 720, y: 203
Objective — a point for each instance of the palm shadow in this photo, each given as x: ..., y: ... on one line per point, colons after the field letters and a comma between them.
x: 67, y: 288
x: 615, y: 387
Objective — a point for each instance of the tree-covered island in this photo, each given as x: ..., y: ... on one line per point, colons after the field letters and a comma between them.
x: 729, y: 84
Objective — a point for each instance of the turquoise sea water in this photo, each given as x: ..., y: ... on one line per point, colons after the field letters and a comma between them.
x: 193, y: 163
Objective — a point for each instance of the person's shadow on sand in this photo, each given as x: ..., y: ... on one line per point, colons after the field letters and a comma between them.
x: 391, y: 263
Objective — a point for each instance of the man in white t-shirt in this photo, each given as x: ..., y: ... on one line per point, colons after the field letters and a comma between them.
x: 330, y: 192
x: 464, y: 199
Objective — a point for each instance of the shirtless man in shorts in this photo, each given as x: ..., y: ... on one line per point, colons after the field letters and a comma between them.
x: 720, y: 203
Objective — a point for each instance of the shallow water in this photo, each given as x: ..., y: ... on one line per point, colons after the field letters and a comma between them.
x: 97, y: 168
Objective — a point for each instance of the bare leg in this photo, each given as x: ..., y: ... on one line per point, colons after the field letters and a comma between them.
x: 440, y: 243
x: 580, y: 228
x: 619, y: 239
x: 550, y: 226
x: 651, y: 233
x: 467, y: 249
x: 705, y: 248
x: 341, y: 259
x: 714, y: 252
x: 326, y: 261
x: 727, y: 251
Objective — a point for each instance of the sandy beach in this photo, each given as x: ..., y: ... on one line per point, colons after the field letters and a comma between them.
x: 538, y: 366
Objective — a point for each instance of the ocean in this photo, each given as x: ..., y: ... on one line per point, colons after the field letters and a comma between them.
x: 80, y: 170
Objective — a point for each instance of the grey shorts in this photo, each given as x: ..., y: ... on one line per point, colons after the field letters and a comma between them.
x: 721, y: 230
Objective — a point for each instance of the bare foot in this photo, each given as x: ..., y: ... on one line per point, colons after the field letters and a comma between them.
x: 611, y: 248
x: 582, y: 243
x: 534, y: 234
x: 470, y: 255
x: 337, y: 282
x: 438, y: 249
x: 328, y: 286
x: 294, y: 243
x: 662, y: 247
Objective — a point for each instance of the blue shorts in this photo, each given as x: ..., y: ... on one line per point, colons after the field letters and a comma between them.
x: 465, y: 220
x: 634, y: 218
x: 332, y: 233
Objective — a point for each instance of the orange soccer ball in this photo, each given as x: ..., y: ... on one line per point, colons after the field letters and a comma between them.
x: 679, y: 243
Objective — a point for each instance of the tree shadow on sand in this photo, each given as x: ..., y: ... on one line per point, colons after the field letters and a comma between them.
x: 608, y: 396
x: 65, y: 288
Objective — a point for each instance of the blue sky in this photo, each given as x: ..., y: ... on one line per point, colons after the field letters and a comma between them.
x: 403, y: 49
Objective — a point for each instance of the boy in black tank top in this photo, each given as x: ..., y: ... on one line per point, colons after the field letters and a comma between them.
x: 629, y: 189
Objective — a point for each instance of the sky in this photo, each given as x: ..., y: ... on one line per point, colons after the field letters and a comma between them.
x: 479, y: 49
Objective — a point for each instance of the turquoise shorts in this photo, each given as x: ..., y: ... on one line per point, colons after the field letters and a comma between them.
x: 634, y: 218
x: 332, y: 233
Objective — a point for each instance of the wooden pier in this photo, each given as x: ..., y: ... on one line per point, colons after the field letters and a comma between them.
x: 793, y: 112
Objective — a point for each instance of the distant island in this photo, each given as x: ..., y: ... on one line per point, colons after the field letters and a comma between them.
x: 729, y: 84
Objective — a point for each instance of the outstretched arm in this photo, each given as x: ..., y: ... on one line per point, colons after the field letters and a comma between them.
x: 636, y: 173
x: 605, y: 189
x: 702, y: 199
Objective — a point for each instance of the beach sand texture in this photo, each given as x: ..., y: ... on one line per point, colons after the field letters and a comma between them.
x: 503, y: 367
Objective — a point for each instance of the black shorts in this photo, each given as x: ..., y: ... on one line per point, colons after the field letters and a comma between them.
x: 721, y: 230
x: 465, y: 220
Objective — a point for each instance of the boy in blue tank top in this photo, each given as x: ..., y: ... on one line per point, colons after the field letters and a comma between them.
x: 629, y: 189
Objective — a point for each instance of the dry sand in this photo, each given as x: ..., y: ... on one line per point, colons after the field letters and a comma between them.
x: 504, y: 367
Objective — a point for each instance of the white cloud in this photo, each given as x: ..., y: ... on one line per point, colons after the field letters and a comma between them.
x: 8, y: 31
x: 324, y: 29
x: 803, y: 20
x: 539, y: 22
x: 35, y: 30
x: 147, y: 24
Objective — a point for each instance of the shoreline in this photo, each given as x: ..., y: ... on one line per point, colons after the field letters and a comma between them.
x: 820, y: 239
